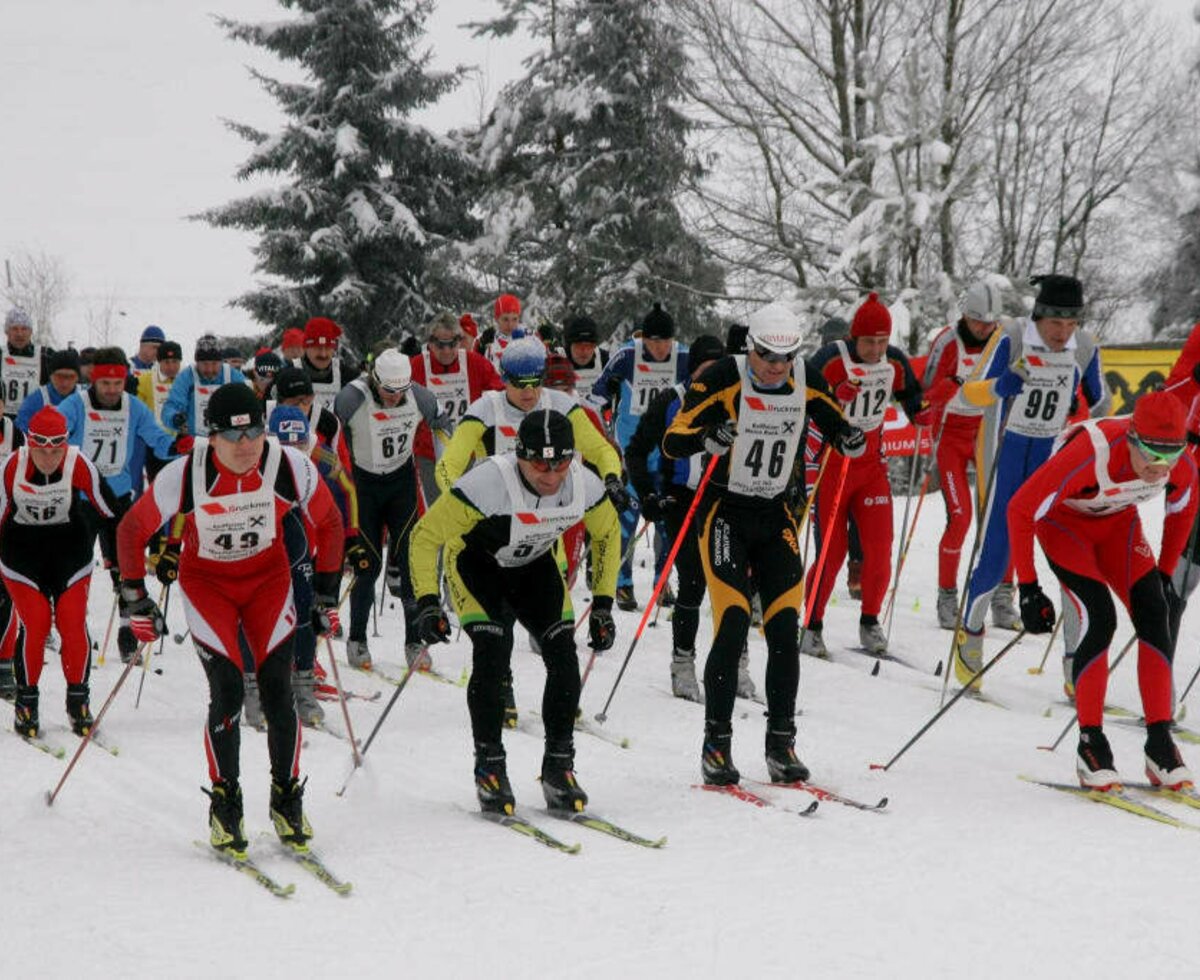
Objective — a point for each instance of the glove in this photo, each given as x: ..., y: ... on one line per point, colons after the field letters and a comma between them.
x: 718, y: 438
x: 325, y: 618
x: 924, y: 417
x: 356, y: 555
x: 179, y: 423
x: 601, y: 628
x: 846, y: 392
x: 655, y: 506
x: 183, y: 445
x: 1009, y: 383
x: 1037, y: 611
x: 167, y: 569
x: 851, y: 442
x: 430, y: 621
x: 618, y: 494
x: 145, y: 618
x: 942, y: 392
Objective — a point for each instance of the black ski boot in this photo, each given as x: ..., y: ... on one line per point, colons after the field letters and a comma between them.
x: 491, y: 779
x: 716, y: 761
x: 1164, y: 764
x: 225, y: 829
x: 8, y: 681
x: 25, y: 720
x: 78, y: 709
x: 510, y: 703
x: 287, y: 813
x: 782, y: 763
x: 559, y: 786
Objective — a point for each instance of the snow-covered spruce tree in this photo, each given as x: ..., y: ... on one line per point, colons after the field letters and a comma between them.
x: 367, y: 195
x: 584, y: 158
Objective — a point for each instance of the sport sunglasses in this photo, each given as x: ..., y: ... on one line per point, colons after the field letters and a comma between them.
x: 46, y: 442
x: 1166, y: 453
x: 773, y: 357
x: 246, y: 432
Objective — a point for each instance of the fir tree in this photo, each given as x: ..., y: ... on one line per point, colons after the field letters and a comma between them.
x: 368, y: 195
x: 585, y: 158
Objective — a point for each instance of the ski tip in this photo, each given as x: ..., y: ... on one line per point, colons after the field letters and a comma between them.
x: 875, y: 669
x: 49, y: 798
x: 937, y: 671
x: 809, y: 810
x: 1045, y: 748
x: 625, y: 743
x: 876, y: 765
x: 1033, y: 670
x: 883, y: 801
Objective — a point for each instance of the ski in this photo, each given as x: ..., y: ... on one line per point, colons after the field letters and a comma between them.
x: 436, y: 675
x: 599, y: 824
x: 1186, y: 795
x: 333, y: 732
x: 247, y: 867
x: 40, y: 743
x: 314, y: 865
x: 1118, y: 798
x: 746, y: 796
x: 522, y: 826
x: 1133, y: 720
x: 327, y: 692
x: 529, y: 721
x: 827, y: 794
x: 1112, y: 710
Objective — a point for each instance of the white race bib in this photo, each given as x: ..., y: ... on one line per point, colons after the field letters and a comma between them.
x: 202, y: 392
x: 234, y: 526
x: 325, y: 392
x: 453, y: 394
x: 1041, y: 409
x: 770, y: 427
x: 874, y: 381
x: 533, y: 530
x: 968, y: 364
x: 390, y: 435
x: 43, y: 504
x: 1111, y: 496
x: 650, y: 377
x: 21, y: 376
x: 106, y: 436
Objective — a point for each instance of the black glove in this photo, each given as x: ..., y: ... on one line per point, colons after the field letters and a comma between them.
x: 602, y: 631
x: 851, y: 442
x: 179, y: 423
x: 167, y: 568
x: 356, y: 554
x: 430, y: 621
x: 656, y: 506
x: 618, y: 494
x: 719, y: 438
x: 325, y: 619
x: 145, y: 618
x: 1037, y: 611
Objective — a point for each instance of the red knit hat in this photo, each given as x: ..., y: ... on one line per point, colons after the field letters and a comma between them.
x: 47, y: 423
x: 292, y: 337
x: 1158, y: 417
x: 506, y: 303
x: 468, y: 324
x: 320, y: 331
x: 872, y: 319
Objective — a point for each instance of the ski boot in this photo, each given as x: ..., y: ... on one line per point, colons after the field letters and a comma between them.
x: 25, y: 719
x: 8, y: 681
x: 968, y: 657
x: 559, y: 786
x: 287, y: 813
x: 417, y: 656
x: 78, y: 709
x: 1164, y: 764
x: 1004, y: 611
x: 745, y: 683
x: 226, y: 831
x: 872, y: 637
x: 716, y: 759
x: 252, y: 713
x: 625, y: 598
x: 813, y: 644
x: 307, y: 706
x: 357, y: 654
x: 510, y: 703
x: 782, y: 763
x: 1094, y: 760
x: 854, y: 578
x: 683, y: 675
x: 492, y: 787
x: 947, y: 608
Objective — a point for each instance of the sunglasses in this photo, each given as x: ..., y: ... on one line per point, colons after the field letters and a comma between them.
x: 551, y: 465
x: 533, y: 382
x: 46, y: 442
x: 248, y: 433
x: 444, y: 344
x: 1161, y: 453
x: 771, y: 357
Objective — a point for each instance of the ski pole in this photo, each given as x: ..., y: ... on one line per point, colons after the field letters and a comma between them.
x: 165, y: 598
x: 950, y: 704
x: 810, y: 599
x: 408, y: 673
x: 905, y: 534
x: 52, y: 795
x: 112, y: 615
x: 587, y: 612
x: 1075, y: 716
x: 1188, y: 554
x: 337, y: 682
x: 1040, y: 668
x: 602, y: 716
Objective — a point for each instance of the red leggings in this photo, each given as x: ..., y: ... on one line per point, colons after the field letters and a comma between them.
x: 35, y: 611
x: 955, y: 450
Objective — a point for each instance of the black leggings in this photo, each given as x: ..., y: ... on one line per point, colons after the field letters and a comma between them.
x: 390, y: 503
x: 688, y: 569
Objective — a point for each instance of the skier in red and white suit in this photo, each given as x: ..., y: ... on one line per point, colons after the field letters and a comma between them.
x: 233, y: 490
x: 1082, y: 506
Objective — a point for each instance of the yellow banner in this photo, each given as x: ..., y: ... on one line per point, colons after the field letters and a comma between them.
x: 1130, y: 372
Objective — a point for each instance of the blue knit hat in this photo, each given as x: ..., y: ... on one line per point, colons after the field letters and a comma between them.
x: 288, y: 425
x: 151, y: 334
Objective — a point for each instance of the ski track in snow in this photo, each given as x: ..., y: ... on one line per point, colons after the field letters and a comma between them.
x: 968, y: 872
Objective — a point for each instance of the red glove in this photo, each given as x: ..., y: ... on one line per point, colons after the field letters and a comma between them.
x: 925, y: 417
x: 846, y: 392
x: 183, y: 445
x: 942, y: 392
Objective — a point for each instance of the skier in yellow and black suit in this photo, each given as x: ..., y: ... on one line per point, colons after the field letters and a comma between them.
x: 750, y: 410
x: 506, y: 515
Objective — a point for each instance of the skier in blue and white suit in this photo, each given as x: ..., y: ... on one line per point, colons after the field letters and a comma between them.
x: 1037, y: 367
x: 643, y: 367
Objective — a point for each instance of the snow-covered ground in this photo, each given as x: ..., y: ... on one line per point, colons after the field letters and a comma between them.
x: 968, y: 872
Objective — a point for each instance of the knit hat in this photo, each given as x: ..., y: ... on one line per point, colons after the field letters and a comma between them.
x: 152, y: 334
x: 545, y: 434
x: 207, y: 349
x: 468, y: 324
x: 560, y: 372
x: 63, y: 360
x: 834, y: 328
x: 1159, y: 420
x: 233, y: 406
x: 658, y: 324
x: 288, y: 425
x: 580, y: 329
x: 292, y: 337
x: 1058, y: 296
x: 292, y: 382
x: 168, y: 349
x: 703, y: 349
x: 47, y: 423
x: 506, y: 303
x: 872, y: 319
x: 736, y: 339
x: 18, y: 317
x: 320, y: 331
x: 267, y: 364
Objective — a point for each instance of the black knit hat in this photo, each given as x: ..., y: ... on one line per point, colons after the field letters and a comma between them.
x: 233, y: 406
x: 1058, y: 296
x: 580, y: 329
x: 735, y: 339
x: 703, y: 349
x: 168, y: 349
x: 267, y: 364
x: 545, y: 434
x: 63, y: 360
x: 292, y: 382
x: 207, y: 349
x: 658, y: 324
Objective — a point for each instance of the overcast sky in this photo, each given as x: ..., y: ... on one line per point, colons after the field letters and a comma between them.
x: 110, y: 134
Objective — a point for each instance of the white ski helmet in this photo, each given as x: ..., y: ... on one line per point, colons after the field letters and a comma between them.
x: 776, y: 328
x: 982, y: 302
x: 392, y: 371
